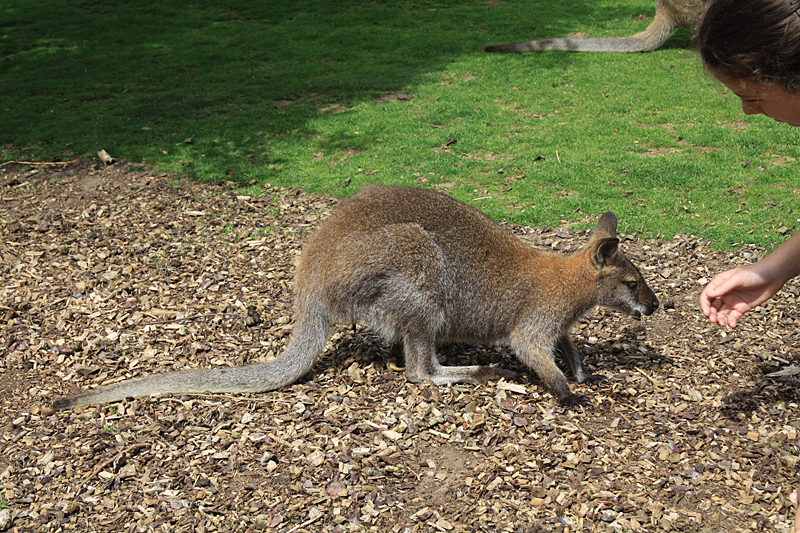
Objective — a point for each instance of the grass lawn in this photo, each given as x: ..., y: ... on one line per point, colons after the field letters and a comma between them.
x: 333, y: 95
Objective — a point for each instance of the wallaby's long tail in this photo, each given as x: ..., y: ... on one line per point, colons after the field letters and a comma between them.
x: 307, y: 342
x: 651, y: 38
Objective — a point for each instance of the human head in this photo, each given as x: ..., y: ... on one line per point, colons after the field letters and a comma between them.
x: 753, y: 40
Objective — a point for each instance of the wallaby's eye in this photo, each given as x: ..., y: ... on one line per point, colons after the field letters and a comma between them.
x: 630, y: 284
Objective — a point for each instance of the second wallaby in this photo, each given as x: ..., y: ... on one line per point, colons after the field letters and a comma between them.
x: 421, y: 268
x: 670, y: 15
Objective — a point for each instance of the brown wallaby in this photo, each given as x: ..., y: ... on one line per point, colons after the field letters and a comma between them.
x: 421, y: 268
x: 670, y: 15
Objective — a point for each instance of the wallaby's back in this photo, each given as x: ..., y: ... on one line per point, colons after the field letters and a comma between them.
x: 477, y: 271
x: 422, y: 268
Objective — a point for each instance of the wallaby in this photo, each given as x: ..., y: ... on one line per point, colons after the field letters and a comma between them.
x: 670, y: 15
x: 421, y: 268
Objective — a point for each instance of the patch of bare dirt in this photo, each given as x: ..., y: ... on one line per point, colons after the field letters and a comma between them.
x: 107, y: 274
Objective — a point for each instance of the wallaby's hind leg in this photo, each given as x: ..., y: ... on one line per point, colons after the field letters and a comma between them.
x: 569, y: 352
x: 422, y: 364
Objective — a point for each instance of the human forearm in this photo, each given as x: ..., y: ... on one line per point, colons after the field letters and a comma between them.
x: 784, y: 263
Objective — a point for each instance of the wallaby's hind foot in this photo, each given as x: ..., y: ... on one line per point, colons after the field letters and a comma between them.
x: 493, y: 373
x: 422, y: 364
x: 474, y: 375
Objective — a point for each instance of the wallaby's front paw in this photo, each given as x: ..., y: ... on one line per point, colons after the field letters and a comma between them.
x: 574, y: 400
x: 595, y: 379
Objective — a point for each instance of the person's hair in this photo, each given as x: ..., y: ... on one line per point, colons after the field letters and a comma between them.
x: 756, y: 40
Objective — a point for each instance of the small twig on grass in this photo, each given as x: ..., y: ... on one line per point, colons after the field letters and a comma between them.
x: 17, y: 198
x: 39, y: 163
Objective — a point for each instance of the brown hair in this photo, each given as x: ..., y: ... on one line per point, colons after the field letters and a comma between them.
x: 755, y: 40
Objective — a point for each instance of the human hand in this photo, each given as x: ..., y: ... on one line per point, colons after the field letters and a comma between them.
x: 735, y: 292
x: 794, y: 498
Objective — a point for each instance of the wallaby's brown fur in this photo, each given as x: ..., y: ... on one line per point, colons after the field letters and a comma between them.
x: 670, y: 15
x: 421, y: 268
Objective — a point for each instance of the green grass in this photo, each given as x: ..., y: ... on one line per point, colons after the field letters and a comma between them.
x: 333, y: 95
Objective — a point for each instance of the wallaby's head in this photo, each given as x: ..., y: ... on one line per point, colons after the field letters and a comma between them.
x: 620, y: 285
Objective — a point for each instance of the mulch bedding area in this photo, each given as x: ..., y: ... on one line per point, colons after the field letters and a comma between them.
x: 108, y: 274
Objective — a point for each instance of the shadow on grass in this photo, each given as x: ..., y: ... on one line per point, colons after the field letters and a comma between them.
x: 210, y: 88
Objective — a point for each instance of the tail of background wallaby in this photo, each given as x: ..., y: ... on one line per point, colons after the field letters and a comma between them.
x: 670, y: 15
x: 307, y: 342
x: 650, y: 39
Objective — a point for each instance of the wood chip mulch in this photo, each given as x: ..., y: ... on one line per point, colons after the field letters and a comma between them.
x: 108, y: 274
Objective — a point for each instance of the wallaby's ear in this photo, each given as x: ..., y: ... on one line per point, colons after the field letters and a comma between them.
x: 603, y: 251
x: 606, y: 226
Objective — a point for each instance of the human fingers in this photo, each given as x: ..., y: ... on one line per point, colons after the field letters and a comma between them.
x: 710, y: 303
x: 722, y: 284
x: 732, y: 318
x: 706, y: 306
x: 730, y: 313
x: 718, y: 311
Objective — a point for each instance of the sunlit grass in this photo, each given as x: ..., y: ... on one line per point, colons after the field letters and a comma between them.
x: 330, y: 96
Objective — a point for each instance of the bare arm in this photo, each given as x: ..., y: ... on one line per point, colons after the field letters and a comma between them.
x: 734, y: 292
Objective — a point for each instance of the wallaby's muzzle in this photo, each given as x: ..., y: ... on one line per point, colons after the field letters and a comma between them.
x: 646, y: 310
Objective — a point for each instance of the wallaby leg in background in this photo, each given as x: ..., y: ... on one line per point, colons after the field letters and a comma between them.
x: 569, y: 352
x: 542, y: 362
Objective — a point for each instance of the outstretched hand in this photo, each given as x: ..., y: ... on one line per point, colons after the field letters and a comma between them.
x: 735, y: 292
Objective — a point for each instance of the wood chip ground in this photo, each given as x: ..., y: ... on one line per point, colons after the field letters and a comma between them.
x: 108, y: 274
